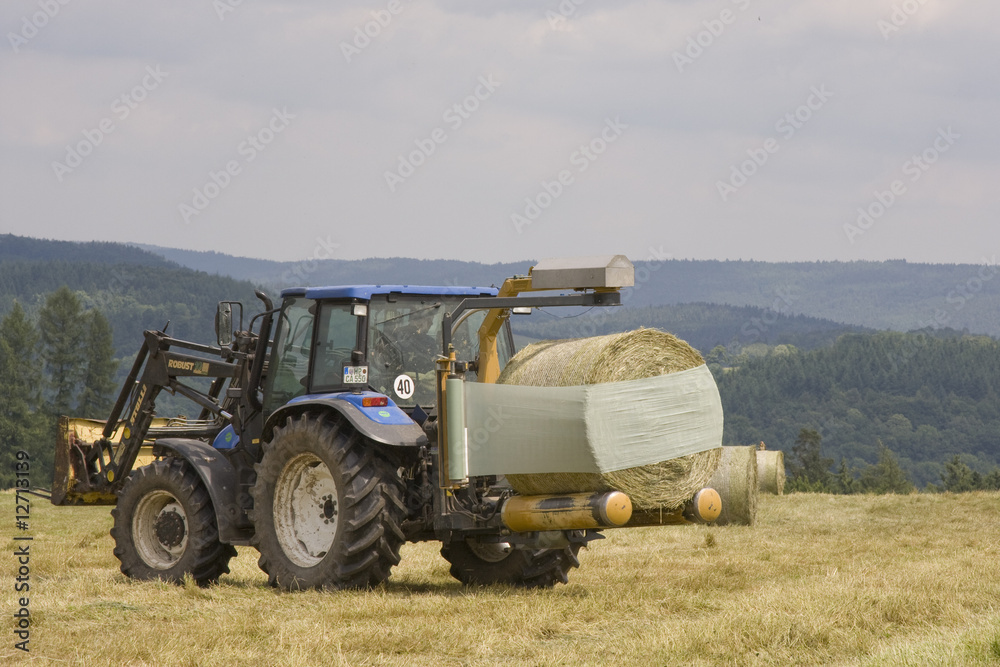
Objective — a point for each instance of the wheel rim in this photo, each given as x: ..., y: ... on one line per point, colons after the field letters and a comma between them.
x: 306, y: 510
x: 160, y: 530
x: 491, y: 552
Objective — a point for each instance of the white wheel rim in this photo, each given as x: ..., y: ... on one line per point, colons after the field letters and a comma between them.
x: 306, y: 510
x: 160, y: 530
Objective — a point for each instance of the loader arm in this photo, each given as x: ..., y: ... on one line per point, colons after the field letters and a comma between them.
x: 92, y: 473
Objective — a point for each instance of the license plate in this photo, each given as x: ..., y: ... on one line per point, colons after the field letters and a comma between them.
x: 355, y: 375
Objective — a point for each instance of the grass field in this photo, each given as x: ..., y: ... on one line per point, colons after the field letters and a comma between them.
x: 843, y: 580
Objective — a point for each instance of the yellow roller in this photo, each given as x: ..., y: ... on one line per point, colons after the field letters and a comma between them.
x: 704, y: 507
x: 575, y: 511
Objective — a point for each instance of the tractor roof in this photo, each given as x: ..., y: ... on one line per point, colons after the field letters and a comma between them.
x: 365, y: 292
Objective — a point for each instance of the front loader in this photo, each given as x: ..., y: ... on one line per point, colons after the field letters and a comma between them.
x: 330, y: 441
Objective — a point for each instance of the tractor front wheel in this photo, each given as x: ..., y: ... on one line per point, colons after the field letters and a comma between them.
x: 327, y: 508
x: 489, y: 563
x: 164, y: 526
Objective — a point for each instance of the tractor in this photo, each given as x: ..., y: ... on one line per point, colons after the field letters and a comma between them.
x: 325, y: 441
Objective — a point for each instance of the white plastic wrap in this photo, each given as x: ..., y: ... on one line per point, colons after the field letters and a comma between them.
x: 594, y: 428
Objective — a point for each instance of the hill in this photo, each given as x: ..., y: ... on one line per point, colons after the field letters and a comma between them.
x: 926, y: 398
x: 136, y: 290
x: 703, y: 325
x: 896, y: 295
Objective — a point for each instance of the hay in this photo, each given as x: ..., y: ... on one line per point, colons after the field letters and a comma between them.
x: 736, y: 482
x: 771, y: 471
x: 628, y: 356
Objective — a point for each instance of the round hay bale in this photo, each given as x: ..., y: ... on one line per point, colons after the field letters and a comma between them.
x: 736, y: 482
x: 771, y: 471
x: 618, y: 357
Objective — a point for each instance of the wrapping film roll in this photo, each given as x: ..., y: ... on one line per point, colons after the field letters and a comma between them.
x: 655, y: 437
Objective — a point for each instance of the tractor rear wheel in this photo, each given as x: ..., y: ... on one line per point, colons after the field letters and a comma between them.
x: 327, y: 508
x: 489, y: 563
x: 164, y: 526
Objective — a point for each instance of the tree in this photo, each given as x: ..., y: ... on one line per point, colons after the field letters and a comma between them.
x: 958, y: 477
x: 885, y: 476
x: 810, y: 471
x: 20, y: 378
x: 844, y: 481
x: 98, y: 374
x: 60, y: 324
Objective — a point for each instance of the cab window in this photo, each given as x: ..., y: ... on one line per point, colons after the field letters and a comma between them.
x: 336, y: 338
x: 288, y: 371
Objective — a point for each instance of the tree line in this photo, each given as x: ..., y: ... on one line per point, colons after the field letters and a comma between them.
x: 58, y: 363
x: 927, y: 404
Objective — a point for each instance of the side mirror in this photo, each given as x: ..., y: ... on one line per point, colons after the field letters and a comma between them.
x: 224, y: 324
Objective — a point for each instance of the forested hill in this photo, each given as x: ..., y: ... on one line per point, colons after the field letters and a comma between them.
x: 135, y: 290
x: 315, y: 270
x: 14, y: 248
x: 926, y: 398
x: 703, y: 325
x: 896, y: 295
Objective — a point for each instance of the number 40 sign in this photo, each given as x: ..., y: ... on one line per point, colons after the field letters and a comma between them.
x: 404, y: 387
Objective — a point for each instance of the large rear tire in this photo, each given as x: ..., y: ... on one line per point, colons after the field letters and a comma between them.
x: 327, y: 508
x: 487, y: 564
x: 164, y: 526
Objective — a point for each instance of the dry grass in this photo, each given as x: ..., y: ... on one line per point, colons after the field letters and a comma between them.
x: 856, y: 580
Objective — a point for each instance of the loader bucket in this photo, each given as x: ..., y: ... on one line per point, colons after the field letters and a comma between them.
x: 71, y: 477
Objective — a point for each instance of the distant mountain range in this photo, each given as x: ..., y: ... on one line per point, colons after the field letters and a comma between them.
x: 895, y: 295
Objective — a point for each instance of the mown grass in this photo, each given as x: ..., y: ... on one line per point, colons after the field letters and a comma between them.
x: 852, y: 580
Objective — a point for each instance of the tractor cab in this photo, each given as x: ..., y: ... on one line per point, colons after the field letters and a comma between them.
x: 377, y: 338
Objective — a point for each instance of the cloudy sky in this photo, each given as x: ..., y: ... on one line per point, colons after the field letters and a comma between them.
x: 773, y: 130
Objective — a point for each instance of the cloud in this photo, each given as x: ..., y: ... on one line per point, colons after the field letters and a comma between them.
x: 699, y: 84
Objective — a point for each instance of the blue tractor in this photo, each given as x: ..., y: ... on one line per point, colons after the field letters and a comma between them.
x: 324, y: 445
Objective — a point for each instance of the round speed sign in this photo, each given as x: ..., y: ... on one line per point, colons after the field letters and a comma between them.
x: 404, y: 387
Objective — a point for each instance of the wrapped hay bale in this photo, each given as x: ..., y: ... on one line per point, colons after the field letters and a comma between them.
x: 771, y: 471
x: 632, y: 355
x: 736, y: 482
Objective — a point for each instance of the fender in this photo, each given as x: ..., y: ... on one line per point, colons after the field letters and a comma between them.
x: 219, y: 478
x: 403, y: 433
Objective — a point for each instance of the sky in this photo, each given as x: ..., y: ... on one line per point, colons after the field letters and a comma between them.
x: 773, y: 130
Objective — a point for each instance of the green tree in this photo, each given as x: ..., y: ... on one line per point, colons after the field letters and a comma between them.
x: 20, y: 426
x: 60, y: 323
x: 810, y: 471
x: 885, y: 476
x: 958, y: 476
x: 98, y: 374
x: 844, y: 481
